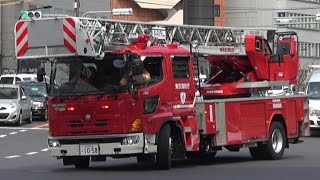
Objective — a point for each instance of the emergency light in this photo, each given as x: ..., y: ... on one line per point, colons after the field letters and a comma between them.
x: 30, y: 14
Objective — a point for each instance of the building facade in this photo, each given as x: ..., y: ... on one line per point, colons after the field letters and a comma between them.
x: 204, y: 12
x: 10, y: 11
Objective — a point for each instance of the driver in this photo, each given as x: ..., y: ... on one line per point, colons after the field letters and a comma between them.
x: 79, y: 81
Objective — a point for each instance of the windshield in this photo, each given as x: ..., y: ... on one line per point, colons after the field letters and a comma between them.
x: 35, y: 89
x: 314, y: 90
x: 8, y: 93
x: 84, y: 75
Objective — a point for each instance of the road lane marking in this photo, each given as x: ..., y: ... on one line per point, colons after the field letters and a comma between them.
x: 2, y: 136
x: 23, y: 130
x: 31, y: 153
x: 40, y: 126
x: 12, y: 133
x: 44, y: 150
x: 11, y: 157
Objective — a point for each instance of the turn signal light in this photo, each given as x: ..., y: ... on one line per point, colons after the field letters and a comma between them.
x: 135, y: 126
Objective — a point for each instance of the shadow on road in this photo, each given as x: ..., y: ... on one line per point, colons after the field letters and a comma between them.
x: 132, y: 166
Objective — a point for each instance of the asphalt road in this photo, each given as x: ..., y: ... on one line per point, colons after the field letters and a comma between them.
x: 24, y: 155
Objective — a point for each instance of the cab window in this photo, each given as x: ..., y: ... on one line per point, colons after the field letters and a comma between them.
x: 180, y: 67
x: 153, y: 65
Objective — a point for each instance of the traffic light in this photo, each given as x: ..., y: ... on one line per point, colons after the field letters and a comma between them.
x: 30, y: 14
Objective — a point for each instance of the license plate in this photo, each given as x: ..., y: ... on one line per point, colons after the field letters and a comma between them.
x: 89, y: 149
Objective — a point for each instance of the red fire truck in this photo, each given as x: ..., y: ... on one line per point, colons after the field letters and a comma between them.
x: 169, y: 115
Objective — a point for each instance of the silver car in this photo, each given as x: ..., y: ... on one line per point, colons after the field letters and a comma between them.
x: 15, y: 105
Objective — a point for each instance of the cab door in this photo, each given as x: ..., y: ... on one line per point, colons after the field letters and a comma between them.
x: 183, y: 86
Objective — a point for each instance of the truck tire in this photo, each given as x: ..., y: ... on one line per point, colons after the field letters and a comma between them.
x: 164, y: 148
x: 82, y: 162
x: 276, y: 141
x: 146, y: 160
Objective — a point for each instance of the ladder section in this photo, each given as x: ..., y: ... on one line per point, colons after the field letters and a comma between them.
x: 207, y: 40
x: 78, y: 36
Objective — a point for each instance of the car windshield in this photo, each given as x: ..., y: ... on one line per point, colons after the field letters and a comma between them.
x: 8, y: 93
x: 314, y: 90
x: 6, y: 80
x: 82, y: 75
x: 35, y: 89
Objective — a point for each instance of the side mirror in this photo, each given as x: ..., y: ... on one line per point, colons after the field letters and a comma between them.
x: 137, y: 67
x: 40, y: 73
x: 23, y: 97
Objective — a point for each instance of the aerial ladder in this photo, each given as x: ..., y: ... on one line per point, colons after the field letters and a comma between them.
x: 241, y: 59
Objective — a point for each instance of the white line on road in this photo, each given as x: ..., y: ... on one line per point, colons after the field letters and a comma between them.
x: 23, y: 130
x: 31, y: 153
x: 44, y: 150
x: 10, y: 157
x: 12, y: 133
x: 2, y: 136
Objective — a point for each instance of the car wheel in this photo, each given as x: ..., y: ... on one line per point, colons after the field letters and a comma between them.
x: 19, y: 122
x: 29, y: 120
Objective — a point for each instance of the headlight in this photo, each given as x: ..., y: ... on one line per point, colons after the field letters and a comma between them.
x: 130, y: 140
x: 150, y: 104
x: 53, y: 143
x: 312, y: 112
x: 13, y: 105
x: 37, y: 104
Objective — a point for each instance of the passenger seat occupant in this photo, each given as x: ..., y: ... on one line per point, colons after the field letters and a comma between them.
x: 80, y: 81
x: 145, y: 74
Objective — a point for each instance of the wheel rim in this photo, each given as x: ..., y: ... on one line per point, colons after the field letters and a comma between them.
x: 170, y: 145
x: 277, y: 140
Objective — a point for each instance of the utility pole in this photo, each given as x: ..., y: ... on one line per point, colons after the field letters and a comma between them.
x: 76, y: 7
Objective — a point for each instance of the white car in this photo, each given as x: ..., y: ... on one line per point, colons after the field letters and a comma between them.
x: 313, y: 92
x: 15, y: 105
x: 14, y: 78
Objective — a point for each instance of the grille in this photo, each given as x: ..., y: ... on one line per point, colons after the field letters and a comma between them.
x: 4, y: 115
x: 75, y: 124
x: 101, y: 123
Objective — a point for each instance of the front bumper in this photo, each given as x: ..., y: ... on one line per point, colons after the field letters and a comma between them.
x: 38, y: 112
x: 109, y: 145
x: 9, y: 115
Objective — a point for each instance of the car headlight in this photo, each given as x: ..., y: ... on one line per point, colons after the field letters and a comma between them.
x: 13, y: 105
x: 37, y: 104
x: 312, y: 112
